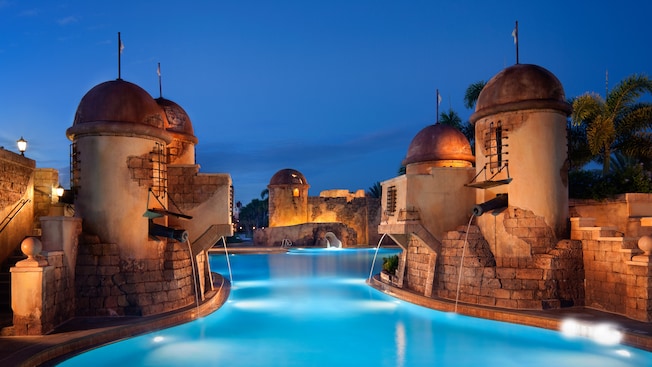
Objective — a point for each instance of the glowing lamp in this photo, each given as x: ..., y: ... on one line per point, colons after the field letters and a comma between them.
x: 58, y: 191
x: 22, y: 145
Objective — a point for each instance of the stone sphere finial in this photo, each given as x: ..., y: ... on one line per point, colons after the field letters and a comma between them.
x: 645, y: 244
x: 31, y: 246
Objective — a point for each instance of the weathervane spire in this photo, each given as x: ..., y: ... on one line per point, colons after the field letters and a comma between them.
x: 515, y: 35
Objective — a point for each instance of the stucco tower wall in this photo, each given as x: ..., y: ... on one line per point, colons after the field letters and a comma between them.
x: 441, y: 198
x: 286, y: 209
x: 112, y: 197
x: 537, y: 154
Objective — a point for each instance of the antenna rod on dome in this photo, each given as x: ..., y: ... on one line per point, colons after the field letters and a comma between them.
x: 160, y: 86
x: 120, y: 47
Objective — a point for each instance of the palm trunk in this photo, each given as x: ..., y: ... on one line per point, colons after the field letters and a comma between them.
x: 606, y: 161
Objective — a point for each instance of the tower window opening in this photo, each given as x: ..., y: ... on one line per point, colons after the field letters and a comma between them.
x: 295, y: 192
x: 159, y: 170
x: 495, y: 146
x: 391, y: 200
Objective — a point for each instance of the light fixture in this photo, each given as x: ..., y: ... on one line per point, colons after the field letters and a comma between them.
x: 22, y: 145
x: 58, y: 190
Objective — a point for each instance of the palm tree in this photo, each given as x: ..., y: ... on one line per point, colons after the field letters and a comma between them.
x: 451, y: 118
x: 472, y: 93
x: 375, y: 191
x: 619, y: 123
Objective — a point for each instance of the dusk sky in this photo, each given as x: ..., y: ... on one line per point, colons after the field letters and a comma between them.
x: 335, y: 89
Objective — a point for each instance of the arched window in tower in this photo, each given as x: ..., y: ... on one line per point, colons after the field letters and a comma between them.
x: 295, y: 192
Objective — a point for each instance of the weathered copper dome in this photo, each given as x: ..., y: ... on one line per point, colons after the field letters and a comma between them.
x: 288, y: 176
x: 439, y: 142
x: 119, y: 101
x: 521, y: 86
x: 177, y: 118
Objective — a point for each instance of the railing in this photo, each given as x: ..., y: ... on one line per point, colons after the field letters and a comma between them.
x: 286, y: 243
x: 16, y: 209
x: 408, y: 214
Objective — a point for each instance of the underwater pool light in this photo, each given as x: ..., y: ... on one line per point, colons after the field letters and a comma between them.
x: 601, y: 333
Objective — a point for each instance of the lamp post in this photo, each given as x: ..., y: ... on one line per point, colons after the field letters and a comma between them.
x: 22, y: 145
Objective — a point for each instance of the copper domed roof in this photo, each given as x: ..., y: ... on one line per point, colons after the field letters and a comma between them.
x: 437, y: 143
x: 177, y: 118
x: 288, y: 176
x: 119, y: 101
x: 521, y: 86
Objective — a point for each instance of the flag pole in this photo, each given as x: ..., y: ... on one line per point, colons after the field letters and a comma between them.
x: 119, y: 53
x: 437, y: 118
x: 515, y: 34
x: 160, y: 85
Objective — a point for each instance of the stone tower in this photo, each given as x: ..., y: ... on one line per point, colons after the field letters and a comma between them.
x: 288, y: 198
x: 521, y: 150
x: 119, y: 143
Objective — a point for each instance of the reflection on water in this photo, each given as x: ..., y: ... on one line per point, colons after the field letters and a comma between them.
x: 313, y: 308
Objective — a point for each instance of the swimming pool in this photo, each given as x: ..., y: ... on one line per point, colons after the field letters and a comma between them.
x: 313, y: 308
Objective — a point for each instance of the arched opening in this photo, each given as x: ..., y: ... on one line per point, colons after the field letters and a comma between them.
x: 332, y: 241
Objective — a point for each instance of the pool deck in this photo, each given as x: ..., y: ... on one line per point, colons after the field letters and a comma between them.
x: 79, y: 334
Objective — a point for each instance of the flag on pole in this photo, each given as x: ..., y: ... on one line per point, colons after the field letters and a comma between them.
x: 438, y: 98
x: 515, y: 34
x: 122, y: 46
x: 158, y: 69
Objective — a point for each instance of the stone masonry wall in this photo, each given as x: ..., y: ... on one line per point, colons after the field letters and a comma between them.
x: 188, y: 188
x: 305, y: 235
x: 360, y: 214
x: 615, y: 281
x: 544, y: 280
x: 61, y: 303
x: 44, y: 180
x: 58, y: 307
x: 16, y: 184
x: 107, y: 284
x: 421, y: 260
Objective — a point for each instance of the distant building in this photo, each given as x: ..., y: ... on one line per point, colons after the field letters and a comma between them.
x: 334, y: 218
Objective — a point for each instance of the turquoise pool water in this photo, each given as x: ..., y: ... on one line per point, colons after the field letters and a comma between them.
x: 313, y: 308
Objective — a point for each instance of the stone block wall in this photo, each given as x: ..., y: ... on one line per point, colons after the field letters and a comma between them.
x: 362, y: 214
x: 45, y: 179
x: 188, y: 188
x: 616, y: 280
x: 61, y: 303
x: 549, y: 280
x: 419, y: 274
x: 305, y: 235
x: 16, y: 187
x: 107, y: 284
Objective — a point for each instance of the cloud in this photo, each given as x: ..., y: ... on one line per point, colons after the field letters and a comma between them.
x: 327, y: 161
x: 67, y: 20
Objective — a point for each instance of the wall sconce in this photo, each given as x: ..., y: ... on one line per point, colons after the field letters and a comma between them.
x: 22, y: 145
x: 58, y: 191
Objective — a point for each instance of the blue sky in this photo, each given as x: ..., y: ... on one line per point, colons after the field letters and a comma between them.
x: 335, y: 89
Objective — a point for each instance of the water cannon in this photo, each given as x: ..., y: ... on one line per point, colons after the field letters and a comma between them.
x: 158, y: 230
x: 500, y: 201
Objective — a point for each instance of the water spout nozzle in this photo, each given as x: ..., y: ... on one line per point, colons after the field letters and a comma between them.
x: 180, y: 235
x: 500, y: 201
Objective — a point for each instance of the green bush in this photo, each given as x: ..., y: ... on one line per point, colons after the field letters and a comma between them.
x: 390, y: 264
x: 590, y: 184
